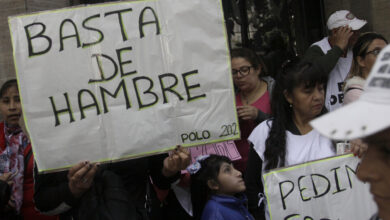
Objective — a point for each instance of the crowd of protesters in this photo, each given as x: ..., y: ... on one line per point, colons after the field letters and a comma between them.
x: 275, y: 120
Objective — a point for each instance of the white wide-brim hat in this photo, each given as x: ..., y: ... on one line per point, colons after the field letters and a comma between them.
x: 367, y: 115
x: 345, y: 18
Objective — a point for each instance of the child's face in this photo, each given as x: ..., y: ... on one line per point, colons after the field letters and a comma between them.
x: 230, y: 180
x: 10, y: 107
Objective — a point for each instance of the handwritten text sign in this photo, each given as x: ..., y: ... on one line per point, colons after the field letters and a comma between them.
x: 323, y: 189
x: 122, y: 80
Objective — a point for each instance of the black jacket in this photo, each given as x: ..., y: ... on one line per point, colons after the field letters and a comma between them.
x: 5, y: 192
x: 52, y: 195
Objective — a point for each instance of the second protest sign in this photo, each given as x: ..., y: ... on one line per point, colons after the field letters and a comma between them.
x: 323, y: 189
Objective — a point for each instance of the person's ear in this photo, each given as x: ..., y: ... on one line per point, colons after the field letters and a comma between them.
x: 360, y: 61
x: 288, y: 97
x: 213, y: 185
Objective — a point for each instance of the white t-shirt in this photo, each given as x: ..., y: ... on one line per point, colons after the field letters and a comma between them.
x: 334, y: 92
x: 299, y: 148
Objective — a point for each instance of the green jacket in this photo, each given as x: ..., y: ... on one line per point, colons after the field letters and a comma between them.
x: 326, y: 61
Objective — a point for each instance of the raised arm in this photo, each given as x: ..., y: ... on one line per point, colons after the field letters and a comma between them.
x: 166, y: 169
x: 56, y: 193
x: 339, y: 39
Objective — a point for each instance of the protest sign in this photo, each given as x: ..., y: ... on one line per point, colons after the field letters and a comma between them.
x: 226, y: 148
x: 121, y: 80
x: 323, y: 189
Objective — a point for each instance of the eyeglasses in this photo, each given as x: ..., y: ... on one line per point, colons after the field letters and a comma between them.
x: 244, y: 70
x: 374, y: 52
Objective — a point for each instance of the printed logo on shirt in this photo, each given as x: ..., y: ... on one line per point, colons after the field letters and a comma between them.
x: 338, y: 98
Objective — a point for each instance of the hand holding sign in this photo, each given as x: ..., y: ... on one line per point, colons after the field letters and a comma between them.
x: 114, y: 74
x: 81, y: 177
x: 178, y: 160
x: 358, y: 147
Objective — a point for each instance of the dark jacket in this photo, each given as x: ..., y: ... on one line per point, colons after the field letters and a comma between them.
x: 52, y: 194
x: 328, y: 61
x: 5, y: 192
x: 221, y: 207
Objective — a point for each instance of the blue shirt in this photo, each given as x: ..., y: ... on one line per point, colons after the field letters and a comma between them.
x: 226, y: 207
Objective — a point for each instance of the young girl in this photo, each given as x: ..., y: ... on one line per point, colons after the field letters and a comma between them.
x: 16, y: 160
x: 12, y: 143
x: 216, y: 189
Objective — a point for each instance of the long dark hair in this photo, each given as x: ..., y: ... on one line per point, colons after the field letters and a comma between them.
x: 291, y: 76
x: 200, y: 192
x: 8, y: 84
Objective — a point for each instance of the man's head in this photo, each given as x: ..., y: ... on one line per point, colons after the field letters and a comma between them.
x: 368, y: 118
x: 375, y: 169
x: 344, y: 18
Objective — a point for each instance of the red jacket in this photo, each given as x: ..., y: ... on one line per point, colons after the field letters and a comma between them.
x: 28, y: 209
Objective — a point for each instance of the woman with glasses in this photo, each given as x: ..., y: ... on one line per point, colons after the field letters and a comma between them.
x: 365, y: 51
x: 287, y: 138
x: 253, y: 96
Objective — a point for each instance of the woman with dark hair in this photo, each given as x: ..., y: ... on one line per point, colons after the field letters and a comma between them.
x: 12, y: 145
x: 287, y: 138
x: 16, y: 163
x: 365, y: 51
x: 253, y: 96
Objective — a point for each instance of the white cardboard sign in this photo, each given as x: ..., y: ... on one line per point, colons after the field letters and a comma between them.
x: 323, y: 189
x: 122, y: 80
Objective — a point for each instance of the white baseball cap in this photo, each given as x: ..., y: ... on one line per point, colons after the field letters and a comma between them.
x: 343, y: 18
x: 367, y: 115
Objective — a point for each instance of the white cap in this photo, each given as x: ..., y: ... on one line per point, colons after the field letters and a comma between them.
x: 343, y: 18
x: 367, y: 115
